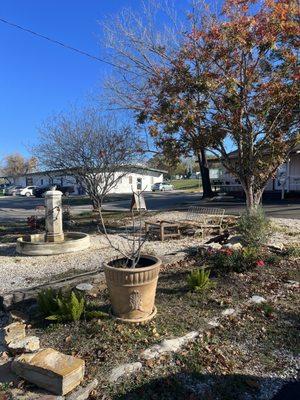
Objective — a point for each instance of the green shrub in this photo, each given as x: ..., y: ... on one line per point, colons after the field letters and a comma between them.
x: 61, y: 307
x: 228, y: 260
x: 199, y: 280
x: 47, y: 303
x: 253, y: 228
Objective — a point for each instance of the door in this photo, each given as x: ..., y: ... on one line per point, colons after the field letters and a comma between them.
x: 139, y: 183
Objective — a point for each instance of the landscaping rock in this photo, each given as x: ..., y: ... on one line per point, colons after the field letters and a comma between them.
x: 29, y: 344
x: 14, y: 331
x: 214, y: 323
x: 125, y: 369
x: 83, y: 393
x: 292, y: 284
x: 84, y: 287
x: 168, y: 346
x: 51, y: 370
x: 228, y: 312
x: 257, y: 300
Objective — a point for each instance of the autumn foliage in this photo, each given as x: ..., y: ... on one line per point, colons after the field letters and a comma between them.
x: 234, y: 83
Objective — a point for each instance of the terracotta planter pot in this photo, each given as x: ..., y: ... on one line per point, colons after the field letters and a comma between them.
x: 132, y: 290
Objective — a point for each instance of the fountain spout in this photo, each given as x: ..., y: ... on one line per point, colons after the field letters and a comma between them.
x: 53, y: 217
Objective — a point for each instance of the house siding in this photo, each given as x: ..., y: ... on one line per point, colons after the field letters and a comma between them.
x: 126, y: 184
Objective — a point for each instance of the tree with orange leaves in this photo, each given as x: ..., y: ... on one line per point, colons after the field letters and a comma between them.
x: 234, y: 83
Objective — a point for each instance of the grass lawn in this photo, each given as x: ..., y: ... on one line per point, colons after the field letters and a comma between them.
x: 231, y: 361
x: 185, y: 184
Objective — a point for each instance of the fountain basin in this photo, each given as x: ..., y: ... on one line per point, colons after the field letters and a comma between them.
x: 35, y: 245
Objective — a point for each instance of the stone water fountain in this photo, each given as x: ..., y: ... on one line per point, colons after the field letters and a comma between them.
x: 53, y: 240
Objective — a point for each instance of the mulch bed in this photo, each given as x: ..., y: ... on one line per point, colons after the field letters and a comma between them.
x: 251, y: 354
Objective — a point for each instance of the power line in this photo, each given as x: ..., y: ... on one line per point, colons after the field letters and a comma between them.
x: 58, y: 42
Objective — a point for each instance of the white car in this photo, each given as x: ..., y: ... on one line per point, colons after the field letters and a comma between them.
x: 25, y: 191
x: 162, y: 186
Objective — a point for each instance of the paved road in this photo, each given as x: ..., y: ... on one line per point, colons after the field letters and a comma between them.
x: 19, y: 208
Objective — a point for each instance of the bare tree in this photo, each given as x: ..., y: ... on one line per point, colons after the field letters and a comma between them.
x: 142, y: 45
x: 96, y: 150
x: 16, y: 164
x: 139, y: 44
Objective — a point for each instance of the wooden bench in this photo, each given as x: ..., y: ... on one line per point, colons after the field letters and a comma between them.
x: 205, y: 218
x: 165, y: 229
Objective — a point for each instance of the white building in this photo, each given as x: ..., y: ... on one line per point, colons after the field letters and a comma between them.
x: 138, y: 178
x: 287, y: 178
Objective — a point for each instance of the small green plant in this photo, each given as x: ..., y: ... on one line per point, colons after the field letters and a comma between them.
x: 61, y: 307
x: 47, y: 302
x: 199, y: 280
x: 253, y: 228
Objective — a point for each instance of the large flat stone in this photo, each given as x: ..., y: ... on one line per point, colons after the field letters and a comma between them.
x: 14, y: 331
x: 27, y: 345
x: 51, y: 370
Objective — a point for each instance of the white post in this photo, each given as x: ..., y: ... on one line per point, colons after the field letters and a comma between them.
x: 288, y: 173
x: 54, y: 227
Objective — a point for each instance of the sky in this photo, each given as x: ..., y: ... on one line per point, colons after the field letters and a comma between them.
x: 39, y: 78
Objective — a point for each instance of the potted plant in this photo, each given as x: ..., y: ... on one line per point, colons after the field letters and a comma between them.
x: 132, y: 278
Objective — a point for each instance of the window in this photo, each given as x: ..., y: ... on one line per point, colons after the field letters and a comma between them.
x: 42, y: 182
x: 29, y: 181
x: 130, y: 180
x: 139, y: 183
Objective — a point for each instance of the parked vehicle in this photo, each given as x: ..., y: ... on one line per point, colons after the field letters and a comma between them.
x: 40, y: 191
x: 11, y: 190
x: 162, y: 186
x: 26, y: 191
x: 4, y: 186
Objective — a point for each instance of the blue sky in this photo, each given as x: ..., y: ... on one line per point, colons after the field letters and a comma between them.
x: 37, y: 77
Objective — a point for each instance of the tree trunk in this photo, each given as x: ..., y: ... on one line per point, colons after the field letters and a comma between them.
x: 204, y: 170
x: 253, y: 198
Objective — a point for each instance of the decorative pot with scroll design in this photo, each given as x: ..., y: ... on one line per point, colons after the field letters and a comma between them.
x: 132, y: 290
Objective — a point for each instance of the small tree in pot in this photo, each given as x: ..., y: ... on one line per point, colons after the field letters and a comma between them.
x: 99, y: 152
x: 132, y: 277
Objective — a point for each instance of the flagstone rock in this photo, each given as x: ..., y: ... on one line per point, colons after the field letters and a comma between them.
x: 292, y: 284
x: 11, y: 332
x: 257, y: 299
x: 125, y: 369
x: 228, y: 312
x: 168, y: 346
x: 83, y: 393
x: 29, y: 344
x: 214, y: 323
x: 49, y: 369
x: 84, y: 287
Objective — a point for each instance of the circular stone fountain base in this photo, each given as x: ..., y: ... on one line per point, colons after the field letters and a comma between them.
x: 35, y: 245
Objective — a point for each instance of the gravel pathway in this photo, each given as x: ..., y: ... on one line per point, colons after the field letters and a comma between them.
x: 21, y: 271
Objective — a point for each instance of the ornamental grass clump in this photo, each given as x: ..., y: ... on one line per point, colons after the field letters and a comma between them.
x: 61, y: 307
x: 199, y: 280
x: 254, y: 228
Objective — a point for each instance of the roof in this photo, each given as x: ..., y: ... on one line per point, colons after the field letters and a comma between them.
x: 61, y: 171
x: 234, y: 153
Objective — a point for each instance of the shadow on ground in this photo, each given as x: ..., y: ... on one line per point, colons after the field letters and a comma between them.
x: 199, y: 386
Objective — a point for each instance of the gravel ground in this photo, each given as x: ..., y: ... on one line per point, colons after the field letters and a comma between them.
x: 20, y: 271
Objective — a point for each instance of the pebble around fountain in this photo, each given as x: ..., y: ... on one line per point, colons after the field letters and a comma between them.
x: 53, y: 240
